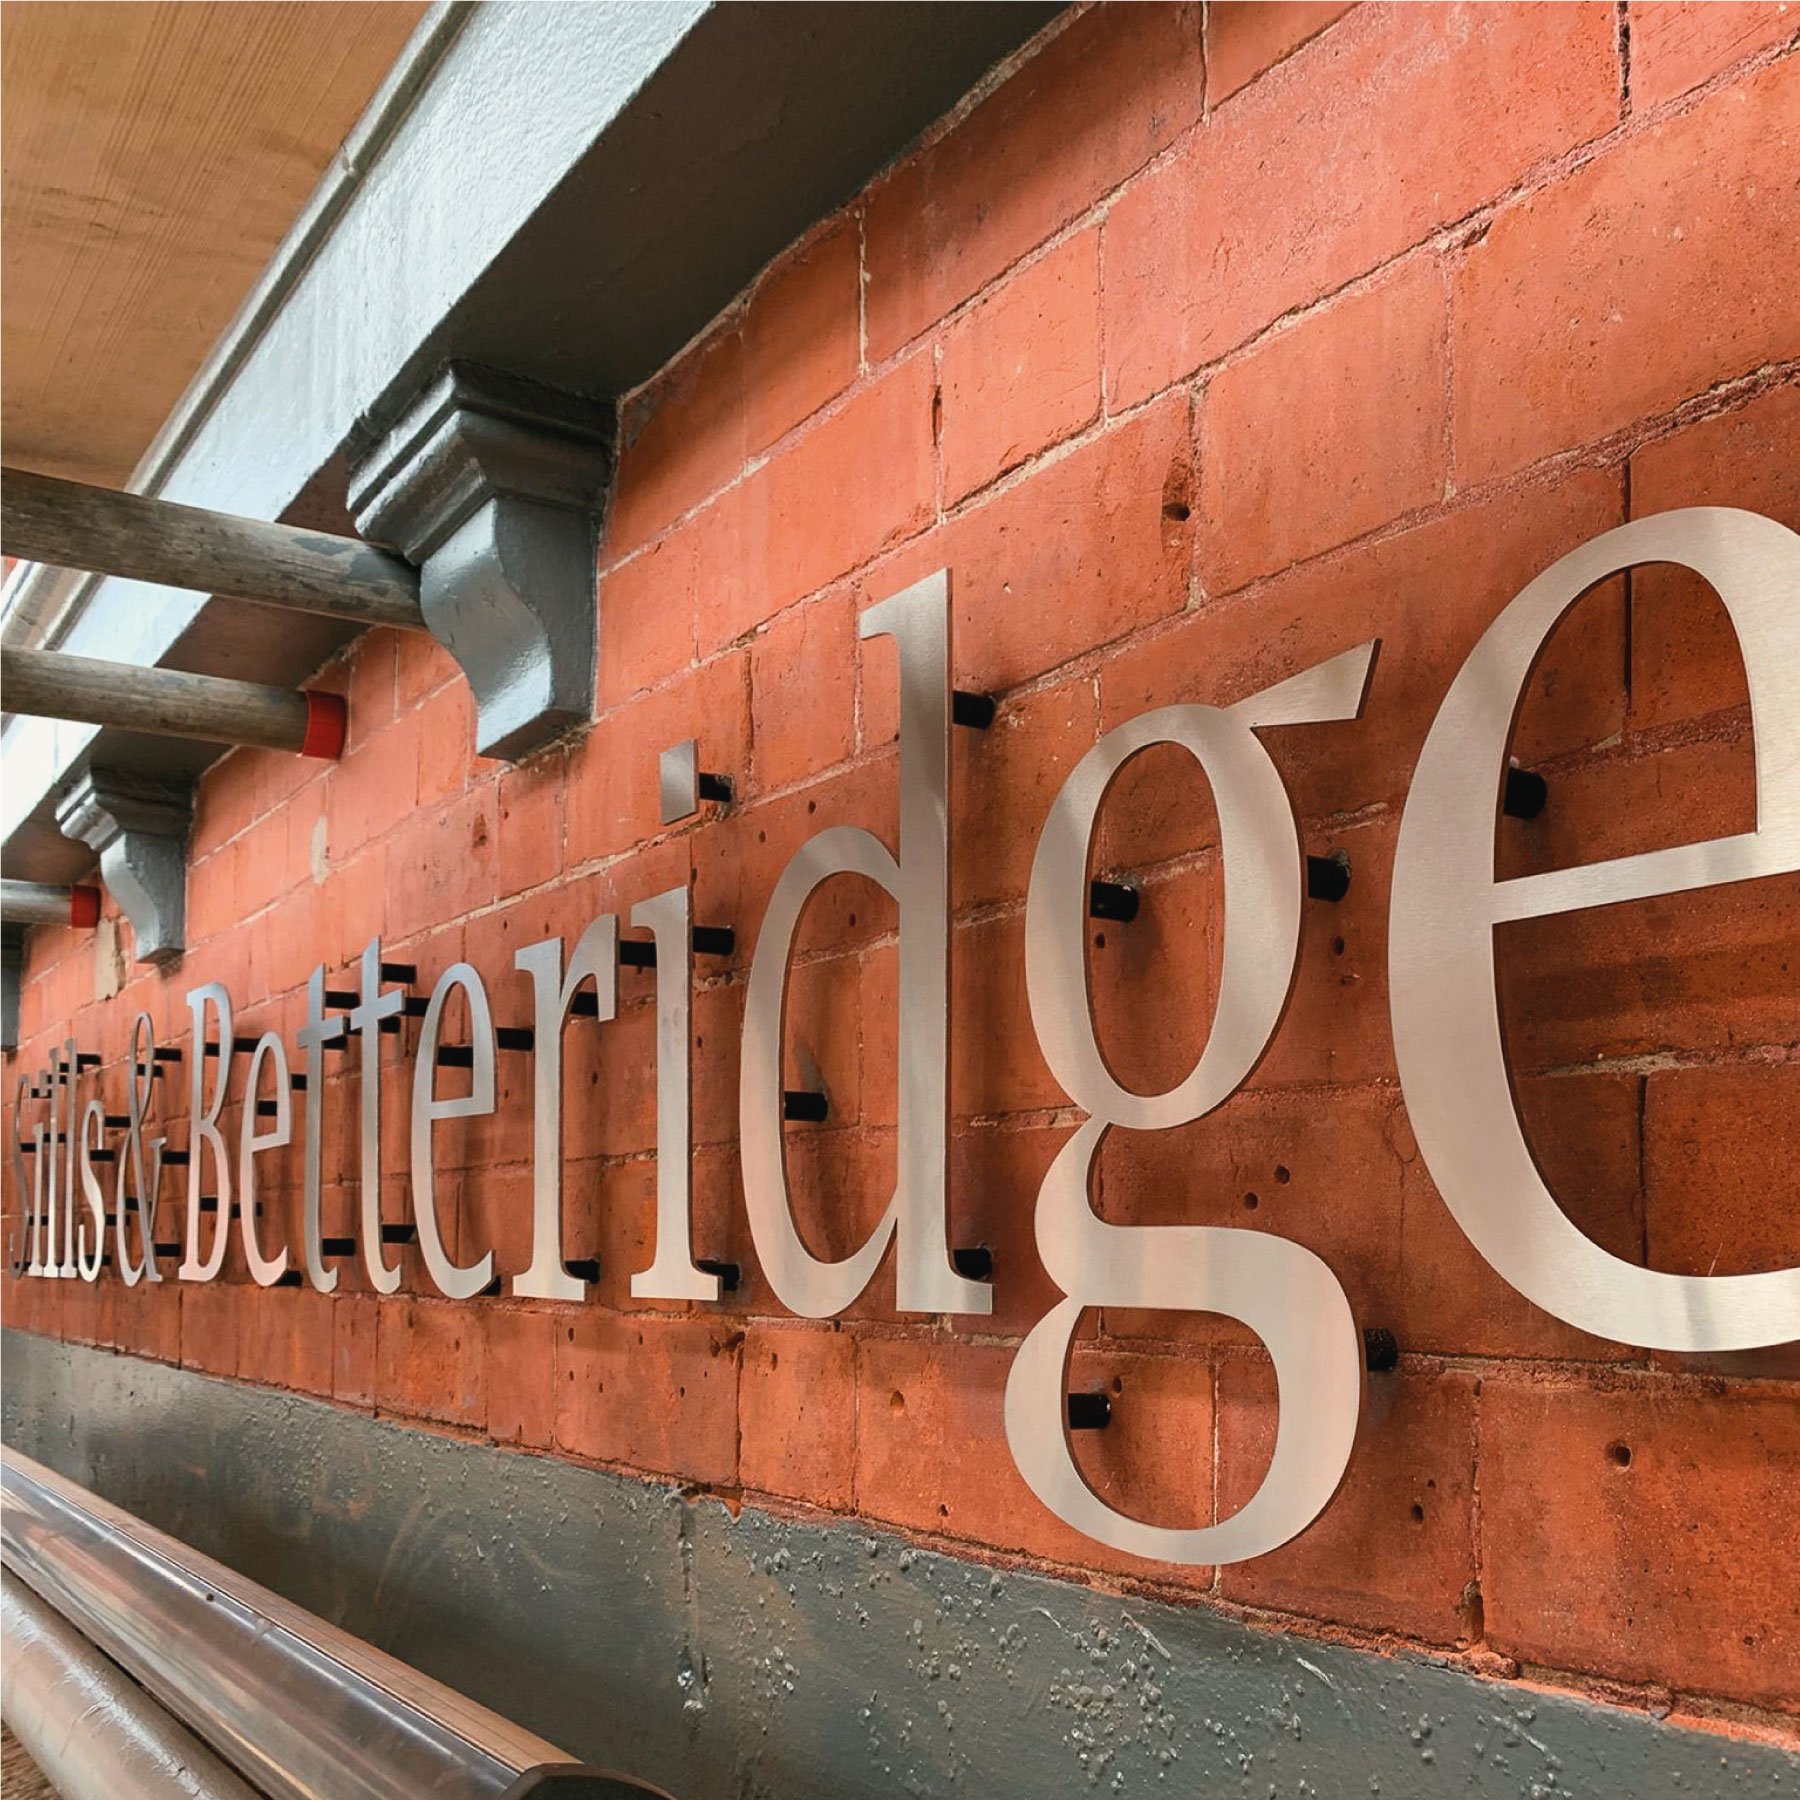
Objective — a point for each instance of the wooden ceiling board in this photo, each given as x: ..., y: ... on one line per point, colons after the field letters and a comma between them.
x: 153, y: 153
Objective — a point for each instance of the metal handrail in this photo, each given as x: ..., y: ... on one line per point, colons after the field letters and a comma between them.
x: 302, y: 1710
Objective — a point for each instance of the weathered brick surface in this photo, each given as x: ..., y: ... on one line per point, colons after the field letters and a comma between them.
x: 1552, y: 308
x: 1626, y: 1529
x: 1201, y: 346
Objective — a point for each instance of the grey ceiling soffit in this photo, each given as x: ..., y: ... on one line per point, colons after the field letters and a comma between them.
x: 562, y: 193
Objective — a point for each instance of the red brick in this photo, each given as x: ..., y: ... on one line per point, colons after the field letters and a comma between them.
x: 1670, y: 1568
x: 1428, y: 593
x: 853, y: 483
x: 653, y: 1393
x: 443, y: 863
x: 1397, y: 121
x: 429, y: 1360
x: 1003, y: 783
x: 1245, y: 37
x: 1708, y: 970
x: 288, y: 1337
x: 739, y: 858
x: 1676, y: 44
x: 802, y: 334
x: 803, y: 691
x: 613, y: 796
x: 1685, y: 659
x: 1280, y: 1162
x: 1395, y: 1550
x: 446, y: 741
x: 1098, y: 101
x: 1585, y: 1138
x: 995, y: 1064
x: 996, y: 1170
x: 353, y: 1367
x: 1281, y: 480
x: 421, y: 666
x: 1721, y: 1167
x: 1021, y: 371
x: 211, y: 1325
x: 1560, y: 314
x: 1079, y: 554
x: 530, y: 821
x: 647, y: 619
x: 797, y: 1405
x: 521, y: 1370
x: 226, y: 798
x: 932, y: 1455
x: 682, y: 439
x: 375, y: 787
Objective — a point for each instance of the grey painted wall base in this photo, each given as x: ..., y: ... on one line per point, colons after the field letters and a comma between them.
x: 755, y: 1656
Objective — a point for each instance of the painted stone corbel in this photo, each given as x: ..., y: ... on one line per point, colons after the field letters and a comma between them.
x: 138, y: 828
x: 493, y: 486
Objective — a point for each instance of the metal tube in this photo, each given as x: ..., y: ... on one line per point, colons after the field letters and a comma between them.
x: 73, y: 526
x: 170, y: 703
x: 302, y: 1710
x: 37, y: 903
x: 88, y: 1726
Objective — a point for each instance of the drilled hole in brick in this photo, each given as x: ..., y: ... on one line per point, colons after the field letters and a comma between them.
x: 1418, y: 1513
x: 853, y: 918
x: 943, y: 1509
x: 896, y: 1401
x: 571, y: 1334
x: 762, y: 837
x: 1118, y: 1385
x: 1281, y: 1174
x: 1337, y: 946
x: 774, y: 1361
x: 1620, y: 1455
x: 1176, y: 510
x: 1251, y: 1203
x: 681, y: 1393
x: 812, y: 806
x: 1099, y: 940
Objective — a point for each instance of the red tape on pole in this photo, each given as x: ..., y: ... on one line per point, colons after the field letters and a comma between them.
x: 327, y: 719
x: 84, y: 907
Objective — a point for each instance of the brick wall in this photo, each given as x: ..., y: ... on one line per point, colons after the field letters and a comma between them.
x: 1199, y: 348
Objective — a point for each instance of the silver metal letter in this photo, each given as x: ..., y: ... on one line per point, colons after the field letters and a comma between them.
x: 459, y: 1282
x: 91, y: 1234
x: 596, y: 959
x: 140, y: 1088
x: 365, y: 1021
x: 313, y: 1036
x: 1446, y: 904
x: 1284, y: 1293
x: 266, y: 1270
x: 918, y: 619
x: 203, y: 1133
x: 671, y: 1274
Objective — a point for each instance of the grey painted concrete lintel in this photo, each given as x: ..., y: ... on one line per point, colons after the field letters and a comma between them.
x: 758, y: 1656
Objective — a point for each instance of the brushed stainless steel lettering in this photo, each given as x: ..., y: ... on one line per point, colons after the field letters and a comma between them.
x: 265, y: 1270
x: 22, y: 1250
x: 1447, y: 904
x: 365, y: 1020
x: 133, y: 1190
x: 65, y: 1079
x: 90, y: 1236
x: 458, y: 1281
x: 312, y: 1037
x: 596, y: 959
x: 54, y: 1208
x: 671, y: 1274
x: 1284, y: 1293
x: 204, y: 1134
x: 918, y: 619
